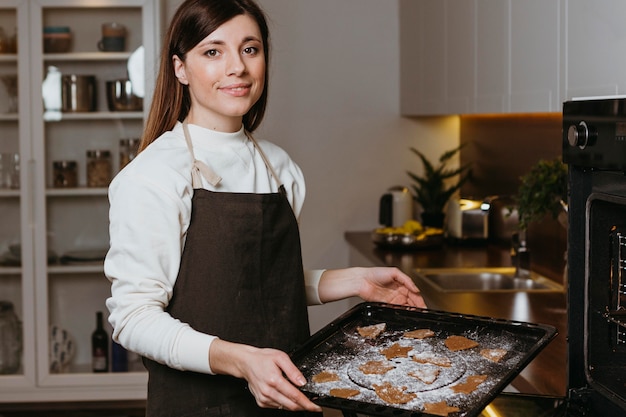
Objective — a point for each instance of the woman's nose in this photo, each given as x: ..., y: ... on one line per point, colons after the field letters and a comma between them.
x: 235, y: 65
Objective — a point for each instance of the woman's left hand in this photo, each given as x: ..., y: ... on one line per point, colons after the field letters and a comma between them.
x: 380, y: 284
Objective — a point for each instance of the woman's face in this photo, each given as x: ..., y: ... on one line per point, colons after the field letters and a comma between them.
x: 225, y: 73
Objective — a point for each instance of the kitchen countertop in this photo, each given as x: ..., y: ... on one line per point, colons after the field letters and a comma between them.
x: 546, y: 374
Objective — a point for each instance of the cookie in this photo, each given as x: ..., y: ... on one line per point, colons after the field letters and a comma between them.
x: 371, y: 332
x: 494, y: 355
x: 396, y: 351
x: 419, y: 334
x: 375, y: 367
x: 344, y: 392
x: 427, y: 375
x: 439, y: 409
x: 456, y: 343
x: 325, y: 376
x: 392, y: 394
x: 471, y: 383
x: 432, y: 359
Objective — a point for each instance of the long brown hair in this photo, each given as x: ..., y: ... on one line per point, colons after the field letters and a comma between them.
x: 193, y: 21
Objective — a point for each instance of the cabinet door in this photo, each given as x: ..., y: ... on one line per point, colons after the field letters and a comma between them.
x: 422, y: 55
x: 16, y: 241
x: 535, y: 56
x: 460, y: 56
x: 71, y: 220
x: 596, y: 36
x: 437, y: 56
x: 480, y: 56
x: 492, y: 56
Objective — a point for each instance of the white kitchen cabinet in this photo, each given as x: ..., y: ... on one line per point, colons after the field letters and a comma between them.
x: 437, y: 71
x: 47, y: 221
x: 479, y: 56
x: 16, y: 239
x: 596, y: 38
x: 491, y: 56
x: 536, y: 73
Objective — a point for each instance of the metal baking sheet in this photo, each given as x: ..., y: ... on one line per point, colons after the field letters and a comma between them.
x: 339, y: 348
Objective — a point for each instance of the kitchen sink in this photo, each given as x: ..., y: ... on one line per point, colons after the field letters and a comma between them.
x: 486, y: 279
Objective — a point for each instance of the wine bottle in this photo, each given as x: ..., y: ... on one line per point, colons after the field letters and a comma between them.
x: 100, y: 346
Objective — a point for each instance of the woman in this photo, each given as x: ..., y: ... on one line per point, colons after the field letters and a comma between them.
x: 205, y: 262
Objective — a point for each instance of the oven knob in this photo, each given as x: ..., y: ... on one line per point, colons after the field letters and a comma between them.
x: 579, y: 135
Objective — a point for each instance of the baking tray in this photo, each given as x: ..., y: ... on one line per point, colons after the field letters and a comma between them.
x: 340, y: 349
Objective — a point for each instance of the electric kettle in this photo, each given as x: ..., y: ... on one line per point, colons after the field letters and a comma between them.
x: 396, y: 207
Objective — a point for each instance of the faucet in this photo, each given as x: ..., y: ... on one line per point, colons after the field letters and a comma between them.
x: 520, y: 255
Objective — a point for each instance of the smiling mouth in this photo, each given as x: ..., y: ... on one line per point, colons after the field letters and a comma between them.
x: 236, y: 90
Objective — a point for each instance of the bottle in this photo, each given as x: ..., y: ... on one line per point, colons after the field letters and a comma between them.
x: 100, y: 346
x: 51, y: 90
x: 10, y: 339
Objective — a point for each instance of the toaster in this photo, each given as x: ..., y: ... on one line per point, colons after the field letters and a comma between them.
x: 468, y: 219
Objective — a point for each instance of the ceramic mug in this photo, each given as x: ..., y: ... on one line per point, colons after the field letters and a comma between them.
x: 113, y: 37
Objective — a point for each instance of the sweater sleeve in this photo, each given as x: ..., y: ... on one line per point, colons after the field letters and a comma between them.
x: 312, y: 282
x: 148, y: 223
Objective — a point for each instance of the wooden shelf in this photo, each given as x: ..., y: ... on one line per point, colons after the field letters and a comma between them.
x: 87, y: 56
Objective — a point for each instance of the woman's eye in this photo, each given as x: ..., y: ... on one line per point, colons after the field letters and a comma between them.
x: 250, y: 50
x: 212, y: 52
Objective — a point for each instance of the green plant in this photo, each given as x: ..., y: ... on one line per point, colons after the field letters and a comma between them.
x: 543, y: 190
x: 433, y: 189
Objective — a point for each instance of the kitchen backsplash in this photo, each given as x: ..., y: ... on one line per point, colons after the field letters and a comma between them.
x: 501, y: 149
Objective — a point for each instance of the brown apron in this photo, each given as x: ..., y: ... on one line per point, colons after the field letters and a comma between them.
x: 241, y: 279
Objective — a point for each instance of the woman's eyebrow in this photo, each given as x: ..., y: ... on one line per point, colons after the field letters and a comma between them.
x: 221, y: 42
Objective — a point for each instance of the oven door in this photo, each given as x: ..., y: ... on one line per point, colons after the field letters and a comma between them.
x: 605, y: 292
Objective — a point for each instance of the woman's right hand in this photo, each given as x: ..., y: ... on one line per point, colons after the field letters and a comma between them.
x: 272, y: 377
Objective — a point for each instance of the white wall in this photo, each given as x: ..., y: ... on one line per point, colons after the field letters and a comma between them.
x: 334, y: 106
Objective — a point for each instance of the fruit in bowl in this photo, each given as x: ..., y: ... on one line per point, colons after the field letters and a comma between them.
x: 412, y: 234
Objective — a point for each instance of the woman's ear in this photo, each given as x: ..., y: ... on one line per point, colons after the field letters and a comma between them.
x: 179, y: 70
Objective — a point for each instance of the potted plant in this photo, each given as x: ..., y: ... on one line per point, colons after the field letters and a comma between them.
x: 543, y: 191
x: 434, y: 188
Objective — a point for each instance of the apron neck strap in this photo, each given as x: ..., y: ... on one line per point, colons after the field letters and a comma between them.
x: 199, y: 167
x: 266, y: 160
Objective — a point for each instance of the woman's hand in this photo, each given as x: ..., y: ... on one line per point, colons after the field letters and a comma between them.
x: 272, y: 377
x: 381, y: 284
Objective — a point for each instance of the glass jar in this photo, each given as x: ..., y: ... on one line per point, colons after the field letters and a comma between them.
x: 10, y: 339
x: 99, y: 168
x: 57, y: 39
x: 65, y: 174
x: 128, y: 151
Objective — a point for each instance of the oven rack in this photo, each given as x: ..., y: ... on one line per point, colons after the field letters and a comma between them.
x: 618, y: 317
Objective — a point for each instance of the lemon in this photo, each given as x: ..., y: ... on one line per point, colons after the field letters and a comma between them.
x: 413, y: 226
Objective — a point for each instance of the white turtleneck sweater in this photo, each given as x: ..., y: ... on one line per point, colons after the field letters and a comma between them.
x: 149, y: 216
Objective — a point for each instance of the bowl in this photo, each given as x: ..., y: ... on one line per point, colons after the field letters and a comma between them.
x: 121, y: 96
x: 407, y: 241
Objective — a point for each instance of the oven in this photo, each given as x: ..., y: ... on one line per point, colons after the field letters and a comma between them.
x: 594, y: 148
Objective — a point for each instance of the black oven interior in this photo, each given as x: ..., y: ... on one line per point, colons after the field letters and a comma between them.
x: 594, y: 147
